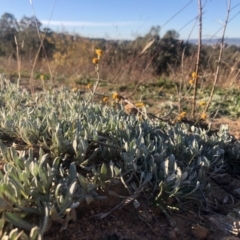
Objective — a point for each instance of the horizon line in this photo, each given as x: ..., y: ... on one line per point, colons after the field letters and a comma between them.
x: 88, y: 24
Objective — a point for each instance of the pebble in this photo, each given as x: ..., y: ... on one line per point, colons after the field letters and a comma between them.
x: 199, y: 232
x: 174, y: 234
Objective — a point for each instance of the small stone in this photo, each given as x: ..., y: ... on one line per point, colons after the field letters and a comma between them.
x: 172, y: 234
x: 199, y: 232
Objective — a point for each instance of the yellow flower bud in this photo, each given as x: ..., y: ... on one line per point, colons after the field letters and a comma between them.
x: 98, y: 52
x: 139, y: 105
x: 194, y: 75
x: 95, y: 60
x: 202, y: 103
x: 183, y: 114
x: 191, y: 81
x: 203, y: 116
x: 116, y: 96
x: 89, y: 86
x: 105, y: 99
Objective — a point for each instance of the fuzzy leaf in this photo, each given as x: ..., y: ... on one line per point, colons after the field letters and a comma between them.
x: 83, y: 182
x: 17, y: 221
x: 34, y: 233
x: 147, y: 178
x: 104, y: 170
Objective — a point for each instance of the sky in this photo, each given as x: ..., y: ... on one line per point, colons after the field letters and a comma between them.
x: 128, y: 19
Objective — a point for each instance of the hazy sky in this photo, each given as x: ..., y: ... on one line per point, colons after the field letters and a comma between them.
x: 126, y: 19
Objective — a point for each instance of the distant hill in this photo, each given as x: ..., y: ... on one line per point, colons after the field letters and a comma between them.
x: 228, y: 41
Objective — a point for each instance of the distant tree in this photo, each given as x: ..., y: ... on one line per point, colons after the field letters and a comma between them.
x: 167, y: 52
x: 8, y: 29
x: 154, y: 32
x: 29, y: 29
x: 8, y: 23
x: 30, y: 24
x: 171, y: 34
x: 48, y: 31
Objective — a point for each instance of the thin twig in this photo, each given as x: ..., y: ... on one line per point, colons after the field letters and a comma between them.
x: 120, y: 205
x: 171, y: 18
x: 170, y: 220
x: 41, y: 46
x: 198, y: 57
x: 107, y: 145
x: 214, y: 35
x: 219, y: 58
x: 95, y: 85
x: 18, y: 60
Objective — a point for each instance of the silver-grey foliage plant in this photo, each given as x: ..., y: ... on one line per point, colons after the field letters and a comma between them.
x: 64, y: 150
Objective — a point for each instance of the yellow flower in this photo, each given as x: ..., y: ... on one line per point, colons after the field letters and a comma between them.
x: 194, y: 75
x: 95, y: 60
x: 98, y: 52
x: 89, y: 86
x: 191, y: 81
x: 181, y: 116
x: 116, y: 96
x: 42, y: 77
x: 105, y: 99
x: 202, y: 103
x: 203, y: 116
x: 139, y: 104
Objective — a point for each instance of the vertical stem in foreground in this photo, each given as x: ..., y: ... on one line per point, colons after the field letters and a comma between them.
x: 95, y: 84
x: 198, y: 56
x: 18, y: 60
x: 219, y: 57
